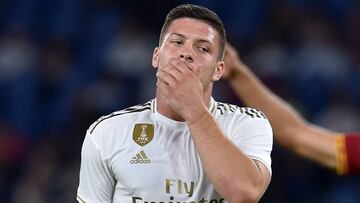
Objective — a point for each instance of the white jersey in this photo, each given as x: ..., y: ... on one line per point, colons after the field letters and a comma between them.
x: 138, y: 155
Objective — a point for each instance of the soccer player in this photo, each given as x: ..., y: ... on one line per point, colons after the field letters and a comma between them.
x: 338, y: 151
x: 182, y: 146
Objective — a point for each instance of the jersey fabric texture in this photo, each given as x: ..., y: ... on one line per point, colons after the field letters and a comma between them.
x: 138, y: 155
x: 348, y: 151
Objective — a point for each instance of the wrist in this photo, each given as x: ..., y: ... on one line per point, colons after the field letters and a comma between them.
x: 195, y: 115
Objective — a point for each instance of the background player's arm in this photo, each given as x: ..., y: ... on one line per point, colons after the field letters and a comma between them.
x: 290, y: 129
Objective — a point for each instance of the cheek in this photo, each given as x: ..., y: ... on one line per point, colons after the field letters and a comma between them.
x: 207, y: 72
x: 206, y: 64
x: 164, y: 57
x: 160, y: 59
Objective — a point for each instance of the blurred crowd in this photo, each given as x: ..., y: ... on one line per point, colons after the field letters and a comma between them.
x: 65, y: 63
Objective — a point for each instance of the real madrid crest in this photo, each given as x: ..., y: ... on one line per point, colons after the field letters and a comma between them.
x: 143, y: 133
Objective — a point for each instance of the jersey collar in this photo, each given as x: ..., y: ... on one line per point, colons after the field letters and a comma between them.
x: 172, y: 122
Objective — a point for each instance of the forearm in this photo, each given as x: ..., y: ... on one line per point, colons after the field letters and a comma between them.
x: 255, y: 94
x: 234, y: 175
x: 290, y: 129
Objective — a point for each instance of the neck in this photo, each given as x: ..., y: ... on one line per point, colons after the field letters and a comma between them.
x: 164, y: 108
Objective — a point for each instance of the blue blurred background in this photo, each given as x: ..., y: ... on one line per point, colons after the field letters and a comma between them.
x: 65, y: 63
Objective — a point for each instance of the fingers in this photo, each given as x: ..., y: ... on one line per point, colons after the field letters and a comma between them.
x: 170, y: 76
x: 172, y: 73
x: 180, y: 65
x: 171, y: 70
x: 232, y: 62
x: 229, y: 47
x: 163, y: 87
x: 231, y: 53
x: 176, y: 68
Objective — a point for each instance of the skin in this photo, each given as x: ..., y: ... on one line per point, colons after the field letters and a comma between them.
x: 290, y: 129
x: 187, y: 64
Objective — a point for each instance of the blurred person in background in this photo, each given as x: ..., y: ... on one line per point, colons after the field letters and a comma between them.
x: 336, y: 150
x: 183, y: 145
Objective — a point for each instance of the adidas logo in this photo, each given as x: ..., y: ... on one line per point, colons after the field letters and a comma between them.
x: 140, y: 158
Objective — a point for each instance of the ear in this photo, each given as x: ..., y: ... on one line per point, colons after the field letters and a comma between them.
x: 155, y: 58
x: 219, y: 70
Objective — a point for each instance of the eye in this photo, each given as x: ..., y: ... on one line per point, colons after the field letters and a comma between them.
x: 204, y: 49
x: 177, y: 42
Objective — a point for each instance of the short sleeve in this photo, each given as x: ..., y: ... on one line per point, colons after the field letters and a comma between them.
x: 96, y: 182
x: 255, y: 139
x: 348, y: 150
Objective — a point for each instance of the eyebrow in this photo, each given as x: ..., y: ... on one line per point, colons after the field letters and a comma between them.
x: 178, y: 34
x: 183, y: 36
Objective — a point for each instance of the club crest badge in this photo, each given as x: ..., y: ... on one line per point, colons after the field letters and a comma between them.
x: 143, y: 133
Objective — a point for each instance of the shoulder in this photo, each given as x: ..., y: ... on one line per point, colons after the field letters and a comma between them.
x: 225, y: 109
x: 121, y: 117
x: 244, y: 121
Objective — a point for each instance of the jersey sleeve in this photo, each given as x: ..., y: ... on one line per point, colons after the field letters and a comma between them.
x: 255, y: 139
x: 348, y: 150
x: 96, y: 181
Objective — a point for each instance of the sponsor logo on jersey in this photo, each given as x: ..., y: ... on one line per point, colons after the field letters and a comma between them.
x: 176, y: 189
x: 140, y: 158
x: 172, y: 200
x: 143, y: 133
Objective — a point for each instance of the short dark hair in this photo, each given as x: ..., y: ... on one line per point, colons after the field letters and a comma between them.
x: 196, y: 12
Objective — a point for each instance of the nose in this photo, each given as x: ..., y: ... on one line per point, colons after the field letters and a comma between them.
x: 187, y: 58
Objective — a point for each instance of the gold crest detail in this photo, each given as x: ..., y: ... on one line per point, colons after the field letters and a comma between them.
x: 143, y: 133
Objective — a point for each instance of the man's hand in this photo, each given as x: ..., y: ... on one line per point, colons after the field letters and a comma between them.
x: 233, y: 63
x: 182, y: 89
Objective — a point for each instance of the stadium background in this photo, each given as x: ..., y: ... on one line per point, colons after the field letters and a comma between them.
x: 65, y: 63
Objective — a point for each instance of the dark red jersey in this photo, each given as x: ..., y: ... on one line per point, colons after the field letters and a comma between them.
x: 348, y: 153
